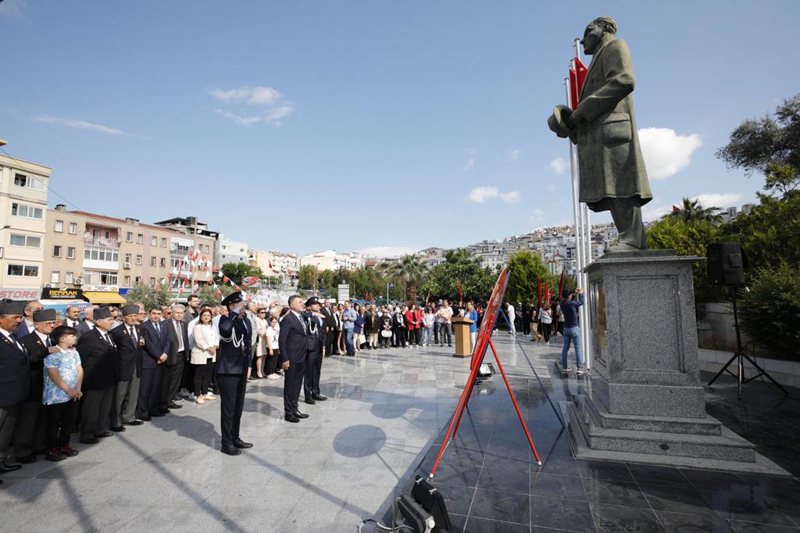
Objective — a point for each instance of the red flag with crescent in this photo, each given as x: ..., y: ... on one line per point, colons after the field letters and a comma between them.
x: 577, y: 76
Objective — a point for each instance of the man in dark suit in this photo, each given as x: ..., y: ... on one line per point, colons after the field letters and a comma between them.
x: 73, y: 318
x: 130, y: 347
x: 233, y: 369
x: 293, y: 342
x: 29, y: 430
x: 99, y: 360
x: 176, y: 359
x: 157, y: 343
x: 14, y: 376
x: 330, y: 330
x: 316, y: 340
x: 88, y: 321
x: 26, y: 325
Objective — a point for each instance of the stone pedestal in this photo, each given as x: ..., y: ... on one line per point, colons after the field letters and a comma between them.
x: 645, y: 402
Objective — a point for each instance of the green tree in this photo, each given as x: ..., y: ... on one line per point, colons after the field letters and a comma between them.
x: 688, y: 238
x: 443, y: 280
x: 524, y: 268
x: 306, y: 277
x: 237, y: 271
x: 208, y: 295
x: 691, y: 212
x: 770, y: 146
x: 410, y: 271
x: 150, y: 296
x: 770, y: 309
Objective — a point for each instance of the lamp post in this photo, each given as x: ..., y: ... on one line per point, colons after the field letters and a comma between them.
x: 388, y: 286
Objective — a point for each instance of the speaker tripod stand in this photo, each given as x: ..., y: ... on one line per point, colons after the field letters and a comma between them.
x: 740, y: 356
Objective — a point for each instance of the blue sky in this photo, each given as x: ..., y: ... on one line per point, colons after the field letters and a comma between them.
x: 302, y: 126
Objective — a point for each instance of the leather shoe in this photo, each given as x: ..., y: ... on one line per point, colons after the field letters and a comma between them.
x: 134, y: 423
x: 309, y: 401
x: 291, y: 418
x: 6, y: 468
x: 160, y: 413
x: 118, y: 429
x: 230, y: 450
x: 173, y: 405
x: 239, y: 443
x: 298, y: 414
x: 145, y: 419
x: 27, y: 459
x: 319, y: 397
x: 105, y: 434
x: 90, y: 441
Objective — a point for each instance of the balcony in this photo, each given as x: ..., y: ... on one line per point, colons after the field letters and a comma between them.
x: 100, y: 242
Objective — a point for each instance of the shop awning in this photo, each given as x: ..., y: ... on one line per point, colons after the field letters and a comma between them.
x: 104, y: 297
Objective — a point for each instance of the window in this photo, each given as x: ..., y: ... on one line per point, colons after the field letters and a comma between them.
x: 163, y: 242
x: 107, y: 234
x: 127, y: 280
x: 138, y: 259
x: 25, y: 241
x: 59, y: 227
x: 127, y: 258
x: 23, y: 180
x: 54, y: 276
x: 70, y: 252
x: 68, y: 277
x: 163, y: 261
x: 139, y: 238
x: 29, y: 271
x: 108, y: 278
x: 152, y: 281
x: 73, y: 228
x: 56, y: 251
x: 129, y: 237
x: 27, y: 211
x: 138, y: 279
x: 152, y: 261
x: 153, y: 241
x: 101, y: 254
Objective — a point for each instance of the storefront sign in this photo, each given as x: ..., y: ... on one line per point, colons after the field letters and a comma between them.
x: 62, y: 294
x: 19, y: 294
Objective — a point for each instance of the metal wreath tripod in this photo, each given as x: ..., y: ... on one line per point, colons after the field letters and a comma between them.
x: 740, y: 356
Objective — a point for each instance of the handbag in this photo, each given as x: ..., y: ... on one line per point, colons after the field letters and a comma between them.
x: 386, y: 333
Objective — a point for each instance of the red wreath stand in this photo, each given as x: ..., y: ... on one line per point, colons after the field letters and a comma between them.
x: 478, y: 355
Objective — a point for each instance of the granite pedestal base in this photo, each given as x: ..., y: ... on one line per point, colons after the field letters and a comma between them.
x: 644, y: 401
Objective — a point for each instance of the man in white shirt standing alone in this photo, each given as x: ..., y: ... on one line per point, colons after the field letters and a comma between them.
x: 512, y: 316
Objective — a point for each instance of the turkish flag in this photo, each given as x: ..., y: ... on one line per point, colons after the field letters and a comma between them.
x: 576, y: 77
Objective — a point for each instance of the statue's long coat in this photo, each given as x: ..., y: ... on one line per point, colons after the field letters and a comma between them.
x: 611, y: 164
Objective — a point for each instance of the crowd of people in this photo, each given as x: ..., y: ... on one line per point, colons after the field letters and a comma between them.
x: 115, y: 368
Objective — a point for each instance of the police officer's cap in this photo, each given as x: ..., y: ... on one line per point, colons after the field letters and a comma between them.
x: 313, y: 300
x: 232, y: 298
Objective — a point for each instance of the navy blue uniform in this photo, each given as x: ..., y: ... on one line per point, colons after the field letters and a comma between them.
x: 233, y: 360
x: 293, y: 342
x: 316, y: 340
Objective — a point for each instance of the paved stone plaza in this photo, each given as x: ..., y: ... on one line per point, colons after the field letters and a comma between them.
x: 379, y: 427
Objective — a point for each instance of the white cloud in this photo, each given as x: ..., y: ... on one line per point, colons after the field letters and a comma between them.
x: 665, y: 152
x: 510, y: 197
x: 79, y: 124
x: 13, y: 9
x: 538, y: 215
x: 480, y: 195
x: 387, y: 251
x: 513, y: 155
x: 652, y: 211
x: 275, y: 107
x: 470, y: 159
x: 557, y: 165
x: 718, y: 200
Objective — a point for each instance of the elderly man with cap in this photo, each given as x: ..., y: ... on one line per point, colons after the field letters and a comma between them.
x: 315, y: 325
x: 233, y: 369
x: 14, y: 374
x: 99, y: 360
x: 293, y: 343
x: 29, y: 430
x: 130, y: 351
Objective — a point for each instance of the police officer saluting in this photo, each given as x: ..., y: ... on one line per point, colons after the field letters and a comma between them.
x: 233, y: 367
x: 316, y: 343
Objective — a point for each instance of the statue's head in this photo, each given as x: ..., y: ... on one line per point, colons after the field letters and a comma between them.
x: 595, y: 31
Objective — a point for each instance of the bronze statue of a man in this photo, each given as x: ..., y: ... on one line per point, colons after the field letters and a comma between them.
x: 612, y: 172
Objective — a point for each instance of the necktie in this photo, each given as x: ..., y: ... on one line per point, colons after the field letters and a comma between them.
x: 158, y: 328
x: 105, y: 338
x: 180, y: 335
x: 47, y: 342
x: 133, y: 334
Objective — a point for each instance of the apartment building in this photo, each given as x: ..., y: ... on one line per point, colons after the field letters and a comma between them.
x: 101, y: 253
x: 331, y: 260
x: 274, y: 263
x: 228, y: 251
x: 23, y: 218
x: 190, y: 236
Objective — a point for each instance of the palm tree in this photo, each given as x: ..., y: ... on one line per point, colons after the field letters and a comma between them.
x: 692, y: 212
x: 411, y: 271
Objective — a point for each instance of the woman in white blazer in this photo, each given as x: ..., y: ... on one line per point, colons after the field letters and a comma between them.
x: 204, y: 353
